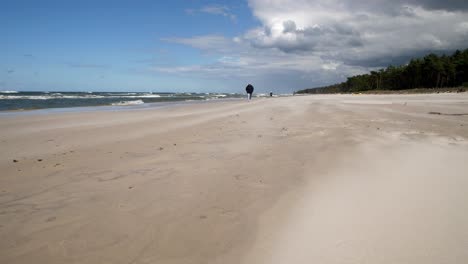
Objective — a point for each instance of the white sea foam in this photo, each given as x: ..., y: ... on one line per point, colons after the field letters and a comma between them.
x: 50, y: 96
x: 120, y: 94
x: 142, y: 96
x: 32, y: 97
x: 9, y: 92
x: 135, y: 102
x: 82, y: 96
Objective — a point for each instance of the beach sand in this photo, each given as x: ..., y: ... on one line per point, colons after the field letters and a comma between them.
x: 303, y: 179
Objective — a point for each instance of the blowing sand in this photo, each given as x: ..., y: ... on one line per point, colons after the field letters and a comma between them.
x: 309, y: 179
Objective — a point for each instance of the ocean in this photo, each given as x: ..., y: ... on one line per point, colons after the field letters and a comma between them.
x: 13, y: 100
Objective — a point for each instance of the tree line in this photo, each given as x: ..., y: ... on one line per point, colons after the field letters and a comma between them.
x: 431, y: 71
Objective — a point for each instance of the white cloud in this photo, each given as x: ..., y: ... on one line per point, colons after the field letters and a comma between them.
x: 240, y: 62
x: 305, y: 43
x: 211, y: 43
x: 220, y: 10
x: 330, y: 66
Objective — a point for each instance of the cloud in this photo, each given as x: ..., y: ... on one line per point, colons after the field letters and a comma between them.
x: 219, y: 10
x: 208, y: 43
x: 88, y: 65
x: 241, y: 62
x: 10, y: 71
x: 450, y: 5
x: 318, y: 42
x: 354, y: 30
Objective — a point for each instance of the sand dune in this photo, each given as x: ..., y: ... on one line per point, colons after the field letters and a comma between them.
x: 306, y: 179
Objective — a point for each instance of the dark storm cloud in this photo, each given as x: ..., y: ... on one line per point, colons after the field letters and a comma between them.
x: 450, y: 5
x: 402, y: 7
x: 360, y: 32
x: 384, y: 61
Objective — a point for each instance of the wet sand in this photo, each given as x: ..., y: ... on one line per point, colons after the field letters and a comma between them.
x: 305, y: 179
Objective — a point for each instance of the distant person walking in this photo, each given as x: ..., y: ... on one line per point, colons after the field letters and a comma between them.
x: 249, y: 89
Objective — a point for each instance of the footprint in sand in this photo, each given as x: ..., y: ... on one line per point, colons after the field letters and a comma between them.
x: 239, y: 176
x: 50, y: 219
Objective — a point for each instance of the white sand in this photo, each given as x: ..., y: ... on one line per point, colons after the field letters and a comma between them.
x: 308, y: 179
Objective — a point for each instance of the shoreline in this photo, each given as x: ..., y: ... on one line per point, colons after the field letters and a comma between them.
x: 104, y: 108
x: 455, y: 90
x: 44, y: 100
x: 285, y: 180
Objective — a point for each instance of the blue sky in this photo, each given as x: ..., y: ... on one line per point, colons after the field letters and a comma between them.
x: 220, y: 46
x: 108, y: 45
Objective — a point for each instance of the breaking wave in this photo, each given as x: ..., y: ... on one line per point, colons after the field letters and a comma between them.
x: 135, y: 102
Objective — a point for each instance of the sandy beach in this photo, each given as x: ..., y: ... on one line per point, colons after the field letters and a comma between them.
x: 303, y: 179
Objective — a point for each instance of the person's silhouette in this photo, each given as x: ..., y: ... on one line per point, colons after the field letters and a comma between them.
x: 249, y: 89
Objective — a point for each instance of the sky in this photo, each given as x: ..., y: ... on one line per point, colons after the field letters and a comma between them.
x: 216, y: 46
